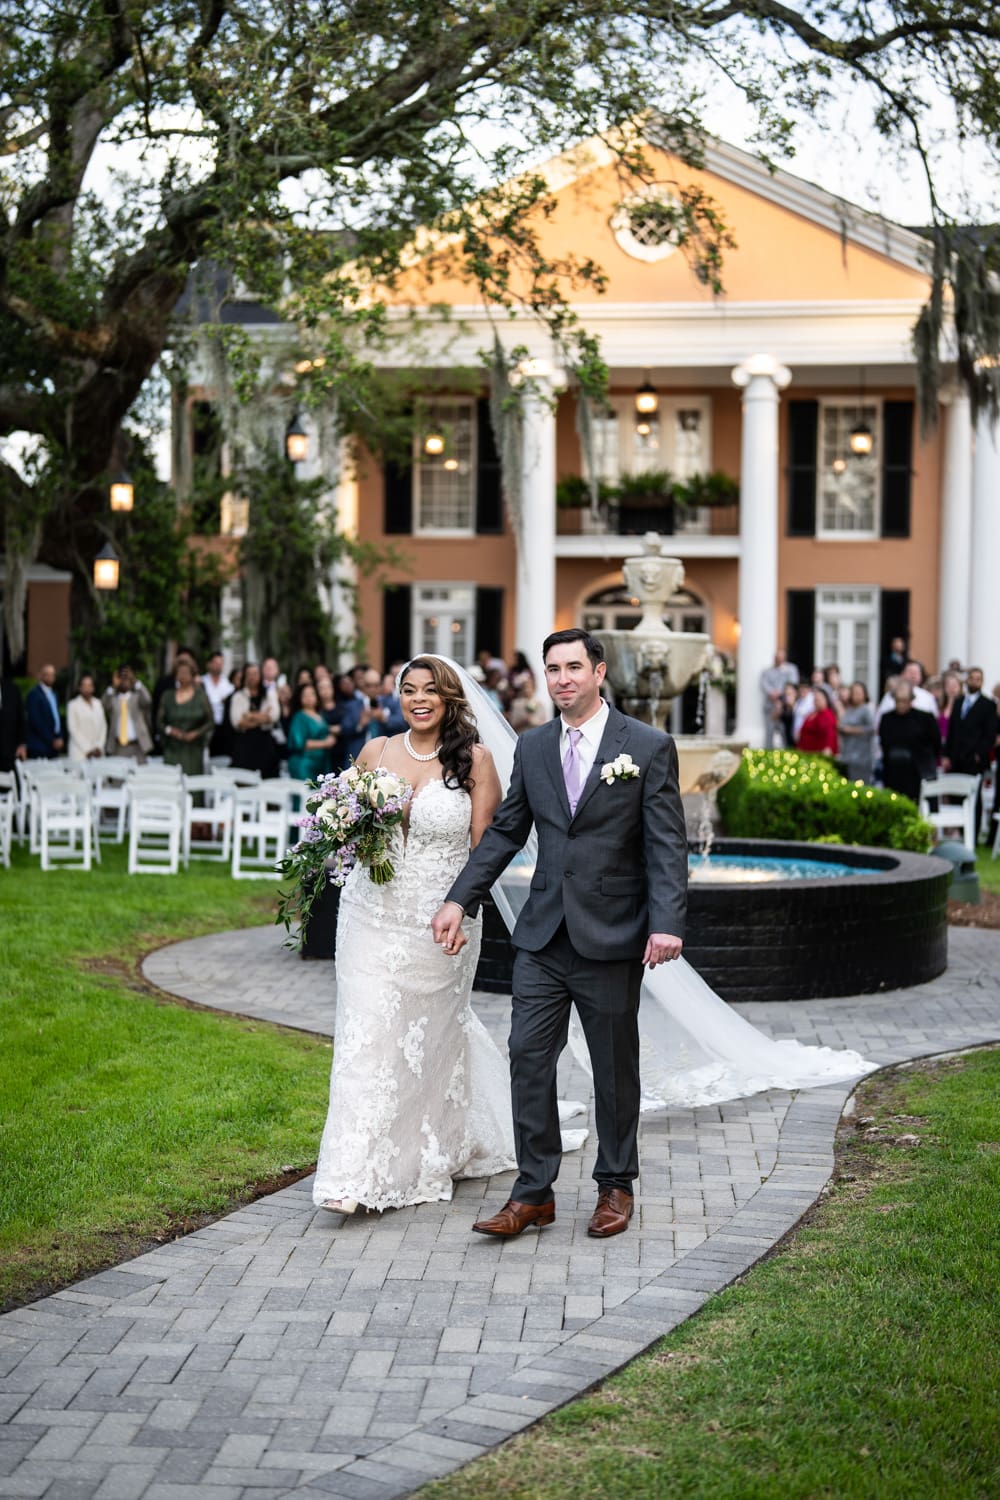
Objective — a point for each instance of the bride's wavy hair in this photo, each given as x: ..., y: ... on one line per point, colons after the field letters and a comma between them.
x: 458, y: 727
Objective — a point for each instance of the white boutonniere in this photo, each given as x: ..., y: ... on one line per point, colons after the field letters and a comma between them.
x: 623, y: 768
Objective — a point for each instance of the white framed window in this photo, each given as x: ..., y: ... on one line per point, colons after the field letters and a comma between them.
x: 848, y: 485
x: 847, y: 632
x: 681, y: 439
x: 649, y: 224
x: 444, y: 620
x: 444, y: 484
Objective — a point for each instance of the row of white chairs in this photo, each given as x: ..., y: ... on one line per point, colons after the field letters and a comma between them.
x: 227, y: 815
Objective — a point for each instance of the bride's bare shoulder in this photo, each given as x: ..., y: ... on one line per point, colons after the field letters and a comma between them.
x: 481, y: 756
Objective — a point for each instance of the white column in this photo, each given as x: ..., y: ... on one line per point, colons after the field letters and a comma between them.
x: 345, y: 574
x: 984, y: 593
x: 956, y: 530
x: 536, y: 549
x: 761, y: 378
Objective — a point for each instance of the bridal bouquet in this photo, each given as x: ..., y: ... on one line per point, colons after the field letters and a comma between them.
x: 348, y: 818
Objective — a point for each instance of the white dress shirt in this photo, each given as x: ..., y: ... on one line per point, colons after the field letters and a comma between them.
x: 217, y: 691
x: 922, y: 699
x: 589, y: 742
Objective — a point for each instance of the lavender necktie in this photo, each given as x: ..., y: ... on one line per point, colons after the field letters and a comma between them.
x: 572, y: 768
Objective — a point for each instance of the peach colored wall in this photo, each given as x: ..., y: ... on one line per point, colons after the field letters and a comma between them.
x: 48, y: 626
x: 813, y: 263
x: 893, y: 563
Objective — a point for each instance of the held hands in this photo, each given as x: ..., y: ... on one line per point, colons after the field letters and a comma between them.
x: 661, y: 947
x: 447, y: 928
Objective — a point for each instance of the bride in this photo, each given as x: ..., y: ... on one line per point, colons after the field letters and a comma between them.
x: 419, y: 1093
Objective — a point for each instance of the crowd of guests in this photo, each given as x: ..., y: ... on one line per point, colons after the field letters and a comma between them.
x: 261, y: 719
x: 920, y: 726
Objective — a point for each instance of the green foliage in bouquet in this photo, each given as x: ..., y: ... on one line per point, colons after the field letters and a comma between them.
x: 782, y: 794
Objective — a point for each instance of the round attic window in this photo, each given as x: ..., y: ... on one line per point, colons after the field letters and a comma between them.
x: 647, y: 225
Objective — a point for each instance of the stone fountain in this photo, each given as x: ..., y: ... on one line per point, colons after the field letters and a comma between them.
x: 649, y: 666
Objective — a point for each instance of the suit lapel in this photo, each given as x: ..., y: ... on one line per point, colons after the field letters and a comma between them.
x: 614, y: 736
x: 550, y: 756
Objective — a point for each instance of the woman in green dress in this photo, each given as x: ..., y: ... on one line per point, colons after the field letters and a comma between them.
x: 310, y: 738
x: 185, y: 722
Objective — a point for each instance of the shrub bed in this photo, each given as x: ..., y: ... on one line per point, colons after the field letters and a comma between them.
x: 781, y: 794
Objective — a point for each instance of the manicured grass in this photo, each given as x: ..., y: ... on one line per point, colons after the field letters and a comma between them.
x: 861, y: 1362
x: 988, y: 870
x: 124, y: 1116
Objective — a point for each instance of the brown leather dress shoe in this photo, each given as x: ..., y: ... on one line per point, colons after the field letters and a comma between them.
x: 514, y: 1217
x: 611, y: 1216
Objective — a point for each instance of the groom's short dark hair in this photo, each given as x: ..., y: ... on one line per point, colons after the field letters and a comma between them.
x: 590, y: 643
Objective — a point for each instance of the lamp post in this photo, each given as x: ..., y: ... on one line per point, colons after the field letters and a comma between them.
x: 106, y: 568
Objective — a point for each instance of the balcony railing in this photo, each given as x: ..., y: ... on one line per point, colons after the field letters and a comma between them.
x: 636, y: 520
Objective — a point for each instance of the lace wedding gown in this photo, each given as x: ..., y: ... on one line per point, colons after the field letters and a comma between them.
x: 419, y: 1093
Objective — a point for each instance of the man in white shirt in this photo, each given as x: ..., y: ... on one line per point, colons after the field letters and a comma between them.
x: 773, y: 681
x: 913, y: 673
x: 218, y: 689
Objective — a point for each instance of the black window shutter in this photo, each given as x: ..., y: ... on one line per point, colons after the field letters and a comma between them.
x: 489, y: 502
x: 398, y: 478
x: 803, y: 435
x: 897, y: 460
x: 396, y: 602
x: 894, y: 620
x: 801, y: 633
x: 489, y: 620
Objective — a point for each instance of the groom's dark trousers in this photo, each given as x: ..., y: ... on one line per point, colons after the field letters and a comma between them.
x: 606, y: 995
x: 606, y: 877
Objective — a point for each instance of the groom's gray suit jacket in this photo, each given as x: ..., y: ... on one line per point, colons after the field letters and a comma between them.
x: 616, y: 870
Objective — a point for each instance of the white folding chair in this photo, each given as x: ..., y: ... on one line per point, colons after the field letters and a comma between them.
x: 8, y: 807
x: 108, y: 775
x: 235, y: 775
x: 261, y: 820
x: 955, y: 812
x: 65, y: 818
x: 39, y: 774
x: 155, y: 814
x: 216, y: 814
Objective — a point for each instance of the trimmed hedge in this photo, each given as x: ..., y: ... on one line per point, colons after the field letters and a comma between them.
x: 780, y: 794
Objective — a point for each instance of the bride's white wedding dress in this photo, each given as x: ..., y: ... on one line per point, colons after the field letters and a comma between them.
x: 419, y: 1094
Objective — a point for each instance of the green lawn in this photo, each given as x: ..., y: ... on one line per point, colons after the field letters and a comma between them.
x: 988, y: 870
x: 124, y: 1116
x: 861, y: 1362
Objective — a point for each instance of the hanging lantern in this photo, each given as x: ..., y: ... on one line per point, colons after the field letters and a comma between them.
x: 434, y: 443
x: 296, y: 441
x: 647, y: 400
x: 862, y: 439
x: 122, y: 491
x: 106, y: 568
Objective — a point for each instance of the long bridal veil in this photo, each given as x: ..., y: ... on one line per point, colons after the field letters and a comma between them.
x: 695, y: 1049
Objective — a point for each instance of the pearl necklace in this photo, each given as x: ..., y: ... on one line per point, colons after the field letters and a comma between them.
x: 416, y: 753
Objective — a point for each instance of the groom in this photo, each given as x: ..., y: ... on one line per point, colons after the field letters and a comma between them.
x: 608, y: 895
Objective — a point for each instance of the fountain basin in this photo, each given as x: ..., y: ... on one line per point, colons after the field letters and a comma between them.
x: 883, y: 926
x: 705, y: 764
x: 791, y: 937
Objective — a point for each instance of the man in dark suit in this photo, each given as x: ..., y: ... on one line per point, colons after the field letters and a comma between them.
x: 608, y: 895
x: 13, y: 725
x: 46, y: 736
x: 972, y: 731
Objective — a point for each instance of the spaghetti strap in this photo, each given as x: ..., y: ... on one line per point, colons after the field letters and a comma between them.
x: 385, y: 740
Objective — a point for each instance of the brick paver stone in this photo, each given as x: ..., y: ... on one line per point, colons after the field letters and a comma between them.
x: 282, y: 1351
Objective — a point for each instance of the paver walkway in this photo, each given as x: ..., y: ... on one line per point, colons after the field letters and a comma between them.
x: 285, y: 1352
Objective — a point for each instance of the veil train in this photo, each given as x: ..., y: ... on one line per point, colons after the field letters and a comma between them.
x: 695, y: 1049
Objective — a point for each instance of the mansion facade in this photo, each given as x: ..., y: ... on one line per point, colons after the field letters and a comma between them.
x: 841, y: 525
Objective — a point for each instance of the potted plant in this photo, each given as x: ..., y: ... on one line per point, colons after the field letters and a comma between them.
x: 647, y: 502
x: 716, y: 492
x: 573, y: 501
